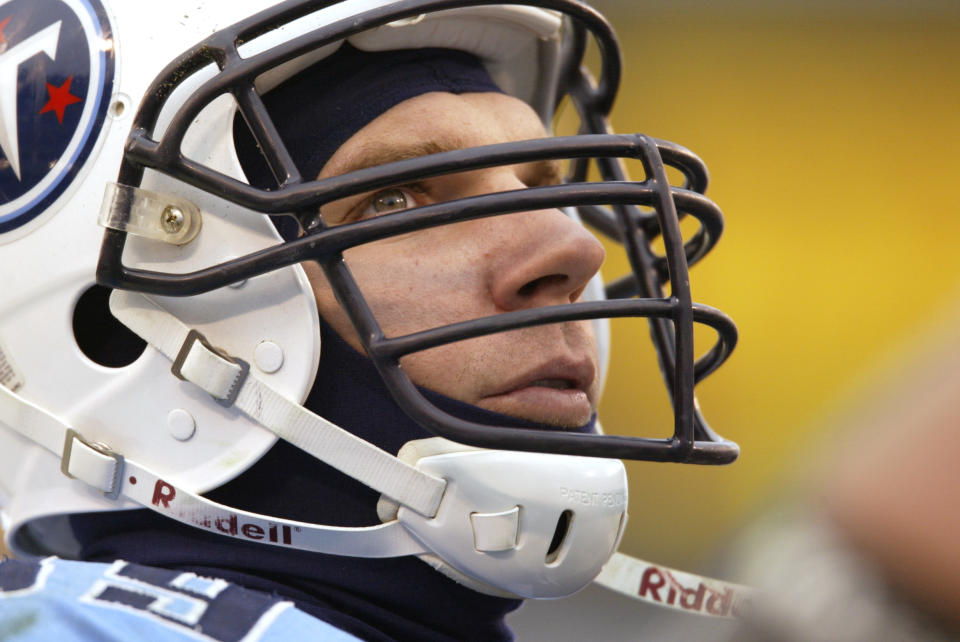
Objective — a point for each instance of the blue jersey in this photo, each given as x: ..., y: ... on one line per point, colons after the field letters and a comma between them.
x: 65, y: 601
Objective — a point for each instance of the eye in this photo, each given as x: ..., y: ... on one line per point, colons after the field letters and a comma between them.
x: 390, y: 200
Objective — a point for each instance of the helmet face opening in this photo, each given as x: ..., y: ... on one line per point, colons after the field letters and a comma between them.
x: 631, y: 213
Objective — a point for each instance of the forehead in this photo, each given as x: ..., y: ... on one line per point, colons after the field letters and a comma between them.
x: 433, y: 122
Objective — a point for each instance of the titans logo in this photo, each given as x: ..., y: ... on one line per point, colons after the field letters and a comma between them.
x: 56, y: 76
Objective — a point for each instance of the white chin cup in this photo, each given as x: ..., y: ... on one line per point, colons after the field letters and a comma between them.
x: 531, y: 525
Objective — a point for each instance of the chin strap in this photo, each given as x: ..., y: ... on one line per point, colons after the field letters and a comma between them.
x: 666, y: 587
x: 231, y: 383
x: 118, y: 477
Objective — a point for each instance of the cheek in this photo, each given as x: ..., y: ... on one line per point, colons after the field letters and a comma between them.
x: 398, y: 298
x: 442, y: 370
x: 417, y: 282
x: 412, y: 282
x: 461, y: 370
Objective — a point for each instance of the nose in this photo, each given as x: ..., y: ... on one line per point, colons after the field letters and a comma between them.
x: 544, y: 258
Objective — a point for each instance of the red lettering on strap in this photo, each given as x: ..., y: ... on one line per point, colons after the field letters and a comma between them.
x: 227, y: 525
x: 720, y: 603
x: 163, y: 493
x: 693, y: 600
x: 652, y: 580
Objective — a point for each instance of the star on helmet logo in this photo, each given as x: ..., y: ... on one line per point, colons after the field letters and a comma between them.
x: 60, y: 97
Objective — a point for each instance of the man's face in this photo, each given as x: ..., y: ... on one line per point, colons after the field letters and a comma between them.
x: 424, y: 279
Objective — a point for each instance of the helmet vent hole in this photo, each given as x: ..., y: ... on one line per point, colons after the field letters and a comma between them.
x: 559, y: 536
x: 99, y: 335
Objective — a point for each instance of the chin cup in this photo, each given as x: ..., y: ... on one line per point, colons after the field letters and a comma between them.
x: 531, y: 525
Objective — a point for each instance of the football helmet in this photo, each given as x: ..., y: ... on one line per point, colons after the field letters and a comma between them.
x: 109, y: 118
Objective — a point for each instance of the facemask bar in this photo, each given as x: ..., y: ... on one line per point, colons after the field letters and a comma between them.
x: 326, y: 244
x: 673, y: 339
x: 385, y: 352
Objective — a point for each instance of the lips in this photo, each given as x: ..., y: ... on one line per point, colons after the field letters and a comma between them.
x: 557, y: 393
x: 558, y: 374
x: 556, y: 384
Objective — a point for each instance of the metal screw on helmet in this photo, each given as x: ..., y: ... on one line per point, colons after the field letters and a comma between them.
x: 172, y: 219
x: 312, y: 223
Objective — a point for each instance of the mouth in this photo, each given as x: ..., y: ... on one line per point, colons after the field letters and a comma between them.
x: 557, y: 393
x: 556, y: 384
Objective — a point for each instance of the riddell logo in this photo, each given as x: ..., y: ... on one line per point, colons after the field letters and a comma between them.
x: 164, y: 494
x: 702, y: 598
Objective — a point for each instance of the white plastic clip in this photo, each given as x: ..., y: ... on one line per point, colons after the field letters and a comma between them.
x: 137, y: 211
x: 495, y: 531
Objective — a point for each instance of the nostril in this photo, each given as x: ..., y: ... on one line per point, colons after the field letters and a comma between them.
x: 543, y: 282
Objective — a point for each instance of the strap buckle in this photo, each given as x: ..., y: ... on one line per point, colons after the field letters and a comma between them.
x: 194, y: 337
x: 114, y: 489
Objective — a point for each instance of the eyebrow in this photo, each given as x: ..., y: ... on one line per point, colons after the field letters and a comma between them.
x: 371, y: 156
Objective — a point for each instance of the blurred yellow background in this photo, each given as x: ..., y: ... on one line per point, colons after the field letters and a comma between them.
x: 830, y: 130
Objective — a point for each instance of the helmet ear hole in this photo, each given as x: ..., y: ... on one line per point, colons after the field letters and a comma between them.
x: 99, y: 335
x: 559, y: 535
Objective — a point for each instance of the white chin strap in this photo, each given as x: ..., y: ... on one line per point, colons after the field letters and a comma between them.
x: 484, y: 517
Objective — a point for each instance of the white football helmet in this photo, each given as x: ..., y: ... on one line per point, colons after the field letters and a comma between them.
x: 121, y: 174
